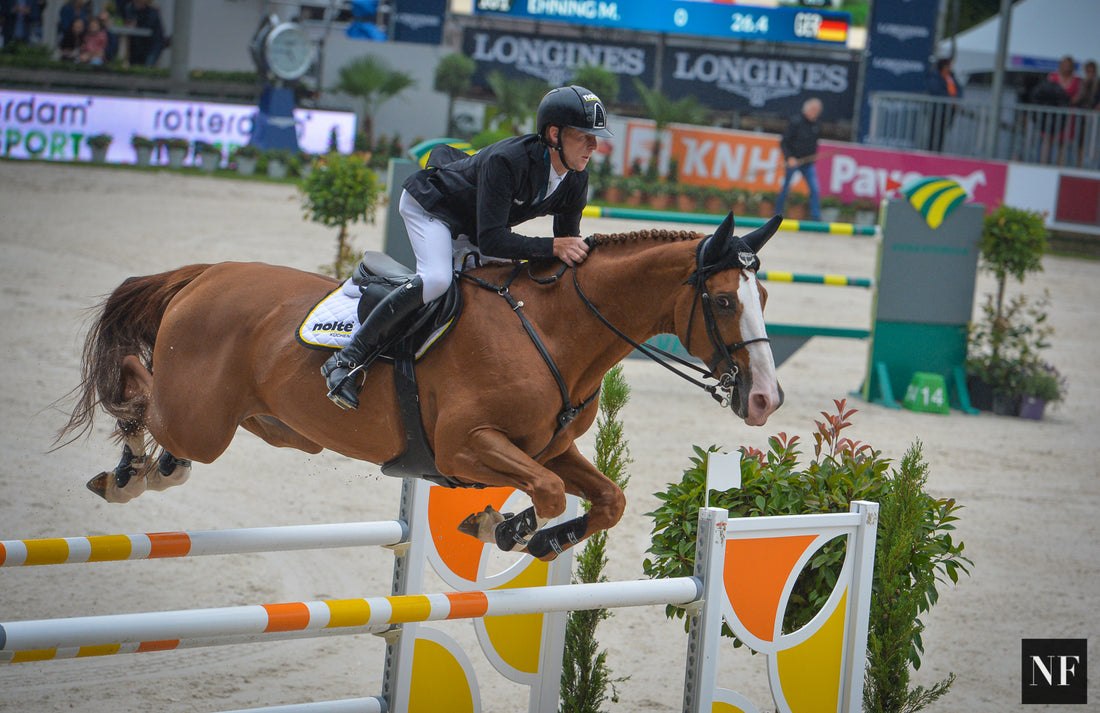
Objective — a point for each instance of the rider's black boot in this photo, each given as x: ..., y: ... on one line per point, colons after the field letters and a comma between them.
x: 376, y: 330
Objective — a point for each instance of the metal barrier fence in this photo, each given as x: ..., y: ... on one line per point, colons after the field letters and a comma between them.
x: 1024, y: 132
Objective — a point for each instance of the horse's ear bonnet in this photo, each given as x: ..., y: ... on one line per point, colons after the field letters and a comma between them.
x: 722, y: 251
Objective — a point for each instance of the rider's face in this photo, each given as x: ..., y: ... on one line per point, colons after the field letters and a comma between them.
x: 577, y: 147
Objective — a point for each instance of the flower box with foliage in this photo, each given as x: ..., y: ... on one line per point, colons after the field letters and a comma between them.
x: 914, y: 548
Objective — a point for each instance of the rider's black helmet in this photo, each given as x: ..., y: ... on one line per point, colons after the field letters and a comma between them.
x: 575, y: 107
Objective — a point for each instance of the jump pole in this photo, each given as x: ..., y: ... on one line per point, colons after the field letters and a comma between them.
x: 106, y: 548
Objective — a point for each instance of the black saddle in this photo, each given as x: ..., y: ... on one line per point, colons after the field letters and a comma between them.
x: 376, y: 276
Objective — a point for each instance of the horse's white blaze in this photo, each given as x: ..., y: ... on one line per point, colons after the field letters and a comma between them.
x: 764, y: 392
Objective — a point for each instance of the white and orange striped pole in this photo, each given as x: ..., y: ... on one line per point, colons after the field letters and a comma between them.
x: 107, y: 548
x: 35, y: 639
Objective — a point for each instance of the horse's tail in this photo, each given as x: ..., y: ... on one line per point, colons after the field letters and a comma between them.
x: 128, y: 323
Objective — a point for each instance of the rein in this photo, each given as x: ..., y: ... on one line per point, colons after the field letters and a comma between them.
x: 569, y: 411
x: 662, y: 357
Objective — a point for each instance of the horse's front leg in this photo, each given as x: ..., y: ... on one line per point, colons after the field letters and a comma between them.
x: 487, y: 456
x: 584, y: 480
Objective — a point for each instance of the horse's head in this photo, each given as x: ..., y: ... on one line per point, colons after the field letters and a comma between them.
x: 725, y: 325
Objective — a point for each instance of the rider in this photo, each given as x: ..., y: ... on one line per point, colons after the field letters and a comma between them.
x: 476, y: 200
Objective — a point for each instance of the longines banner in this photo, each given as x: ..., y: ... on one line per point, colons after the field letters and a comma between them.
x: 554, y: 58
x: 899, y: 43
x: 760, y: 84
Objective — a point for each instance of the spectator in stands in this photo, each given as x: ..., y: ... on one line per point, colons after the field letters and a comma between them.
x: 1089, y: 96
x: 71, y: 41
x: 799, y: 146
x: 107, y: 20
x: 72, y: 10
x: 21, y: 21
x: 93, y: 48
x: 942, y: 83
x: 145, y: 50
x: 1064, y: 128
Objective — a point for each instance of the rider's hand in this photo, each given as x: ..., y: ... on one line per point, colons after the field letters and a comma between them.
x: 571, y: 251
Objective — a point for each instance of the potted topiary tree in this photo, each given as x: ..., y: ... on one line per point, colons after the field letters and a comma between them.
x: 340, y: 190
x: 1004, y: 347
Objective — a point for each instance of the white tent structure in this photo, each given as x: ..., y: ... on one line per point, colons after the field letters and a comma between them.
x: 1041, y: 32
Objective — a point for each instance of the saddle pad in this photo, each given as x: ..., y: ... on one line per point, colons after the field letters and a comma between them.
x: 332, y: 322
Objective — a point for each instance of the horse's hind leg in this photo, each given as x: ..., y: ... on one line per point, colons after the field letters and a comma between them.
x: 170, y: 471
x: 127, y: 480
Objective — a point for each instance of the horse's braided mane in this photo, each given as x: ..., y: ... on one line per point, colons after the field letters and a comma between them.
x: 667, y: 236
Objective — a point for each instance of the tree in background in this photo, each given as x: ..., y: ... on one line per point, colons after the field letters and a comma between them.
x: 600, y: 80
x: 452, y: 77
x: 664, y: 111
x: 341, y: 189
x: 371, y: 80
x: 516, y: 101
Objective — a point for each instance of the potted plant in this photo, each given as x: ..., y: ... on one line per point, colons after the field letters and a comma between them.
x: 765, y: 206
x: 1005, y: 346
x: 209, y: 156
x: 797, y: 206
x: 246, y: 157
x: 830, y: 209
x: 660, y: 194
x: 99, y: 143
x: 143, y: 149
x: 1004, y: 351
x: 866, y: 211
x: 635, y: 189
x: 687, y: 197
x: 1043, y: 384
x: 177, y: 150
x: 615, y: 189
x: 278, y: 162
x: 740, y: 197
x: 716, y: 199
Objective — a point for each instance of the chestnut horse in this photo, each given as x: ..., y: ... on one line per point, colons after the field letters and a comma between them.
x: 190, y: 355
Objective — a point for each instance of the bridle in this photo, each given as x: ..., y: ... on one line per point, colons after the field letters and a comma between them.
x: 722, y: 392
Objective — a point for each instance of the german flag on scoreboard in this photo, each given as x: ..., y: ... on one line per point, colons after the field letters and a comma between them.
x: 832, y: 31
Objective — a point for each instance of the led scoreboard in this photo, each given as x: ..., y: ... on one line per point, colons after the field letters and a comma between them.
x: 685, y: 17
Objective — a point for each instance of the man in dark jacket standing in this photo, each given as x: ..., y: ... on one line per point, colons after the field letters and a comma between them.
x: 474, y: 201
x: 799, y: 146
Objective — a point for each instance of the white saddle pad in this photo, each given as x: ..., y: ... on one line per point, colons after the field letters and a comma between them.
x: 335, y: 318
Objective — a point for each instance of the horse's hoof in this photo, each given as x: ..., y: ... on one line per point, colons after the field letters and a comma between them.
x: 516, y: 530
x: 482, y: 524
x: 98, y: 484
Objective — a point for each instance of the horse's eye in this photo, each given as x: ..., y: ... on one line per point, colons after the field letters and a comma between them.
x: 723, y: 301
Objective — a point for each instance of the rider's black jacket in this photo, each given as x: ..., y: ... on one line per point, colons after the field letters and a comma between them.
x: 502, y: 185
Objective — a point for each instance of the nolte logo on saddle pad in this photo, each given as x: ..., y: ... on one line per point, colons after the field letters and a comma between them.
x: 1055, y: 671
